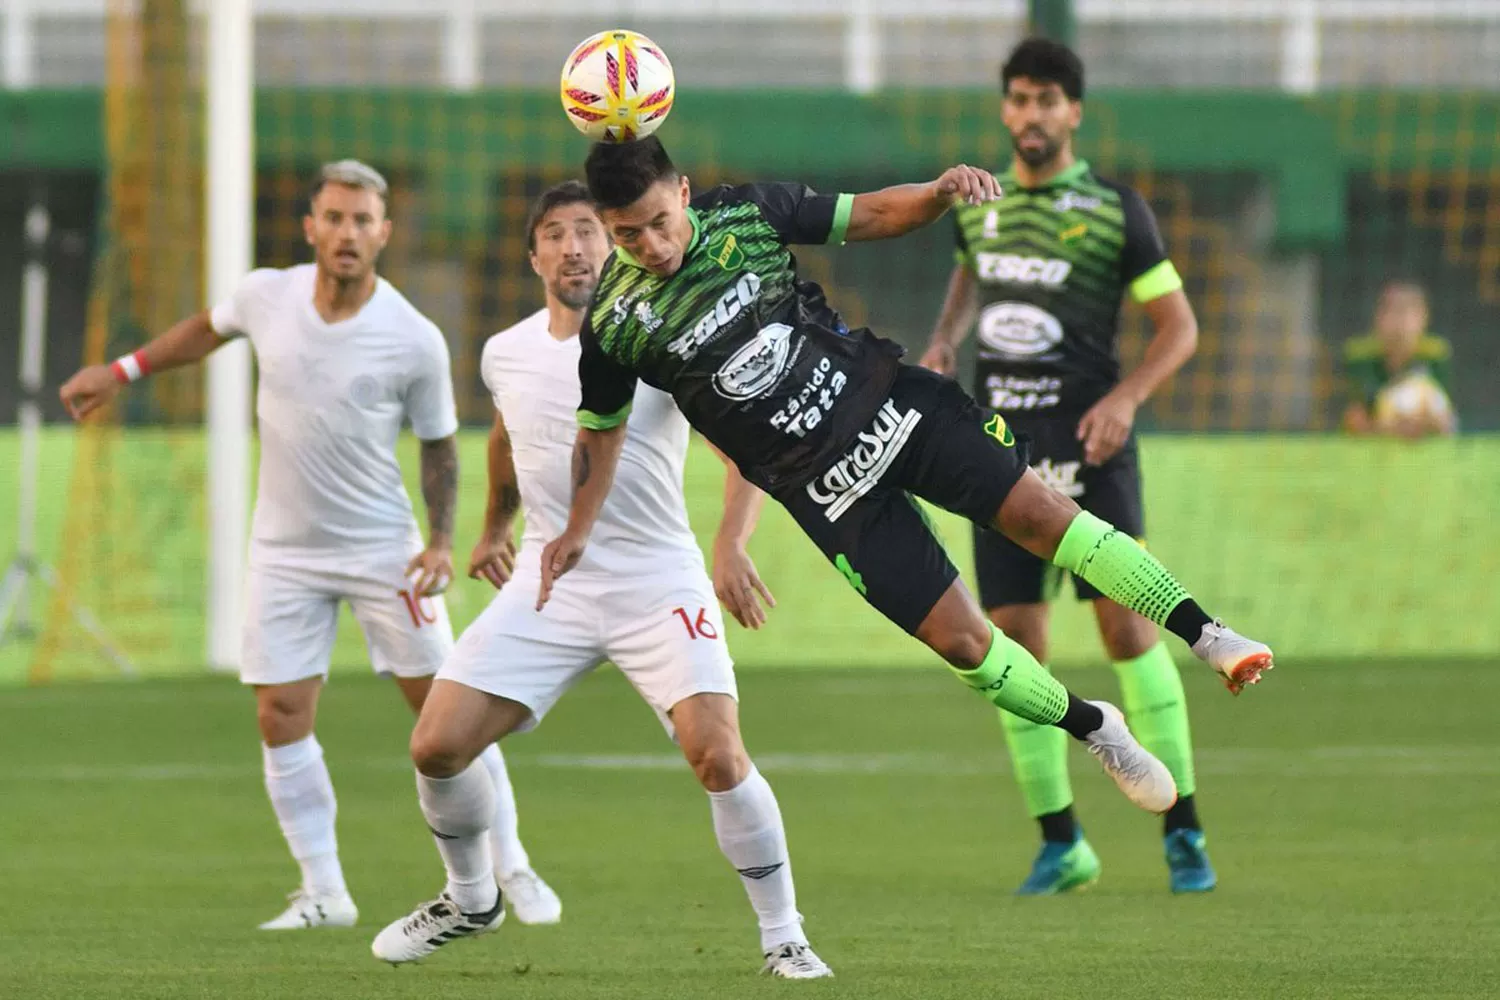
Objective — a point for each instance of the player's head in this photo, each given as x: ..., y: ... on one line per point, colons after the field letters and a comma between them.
x: 1401, y: 313
x: 643, y: 201
x: 346, y: 224
x: 567, y: 243
x: 1042, y: 84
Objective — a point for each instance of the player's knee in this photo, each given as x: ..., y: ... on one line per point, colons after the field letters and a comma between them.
x: 963, y: 648
x: 283, y: 718
x: 719, y: 767
x: 1127, y: 640
x: 435, y: 756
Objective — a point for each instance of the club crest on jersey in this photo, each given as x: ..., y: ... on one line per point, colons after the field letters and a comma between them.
x: 725, y: 251
x: 991, y: 225
x: 725, y: 311
x: 1073, y: 201
x: 755, y: 369
x: 997, y: 428
x: 646, y: 316
x: 1018, y: 330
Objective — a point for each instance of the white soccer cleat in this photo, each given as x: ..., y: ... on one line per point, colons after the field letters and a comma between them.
x: 1239, y: 661
x: 531, y: 900
x: 305, y: 910
x: 432, y: 925
x: 1144, y: 779
x: 795, y: 960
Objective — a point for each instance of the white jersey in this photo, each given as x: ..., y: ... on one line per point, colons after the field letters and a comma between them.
x: 643, y: 525
x: 332, y: 399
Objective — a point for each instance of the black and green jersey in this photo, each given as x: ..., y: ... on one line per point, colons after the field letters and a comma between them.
x: 1369, y: 374
x: 1052, y: 264
x: 755, y: 357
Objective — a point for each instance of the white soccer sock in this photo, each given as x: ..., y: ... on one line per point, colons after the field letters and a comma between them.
x: 505, y: 837
x: 302, y: 795
x: 747, y: 821
x: 458, y: 812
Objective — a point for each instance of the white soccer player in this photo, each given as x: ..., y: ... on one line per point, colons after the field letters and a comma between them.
x: 640, y: 598
x: 344, y: 359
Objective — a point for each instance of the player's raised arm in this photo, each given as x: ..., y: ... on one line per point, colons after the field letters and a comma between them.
x: 494, y: 555
x: 896, y: 211
x: 737, y: 583
x: 185, y: 343
x: 954, y: 321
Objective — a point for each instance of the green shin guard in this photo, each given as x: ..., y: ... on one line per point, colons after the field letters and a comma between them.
x: 1010, y: 678
x: 1039, y: 755
x: 1119, y: 567
x: 1157, y: 709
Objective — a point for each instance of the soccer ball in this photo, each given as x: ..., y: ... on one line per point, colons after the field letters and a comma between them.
x: 617, y: 86
x: 1415, y: 396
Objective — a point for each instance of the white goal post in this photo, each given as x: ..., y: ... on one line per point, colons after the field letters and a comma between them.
x: 229, y: 214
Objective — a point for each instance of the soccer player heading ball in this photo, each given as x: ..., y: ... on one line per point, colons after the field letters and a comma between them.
x: 701, y: 299
x: 1044, y: 271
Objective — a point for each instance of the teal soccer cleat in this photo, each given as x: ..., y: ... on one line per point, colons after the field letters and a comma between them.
x: 1187, y: 860
x: 1062, y: 868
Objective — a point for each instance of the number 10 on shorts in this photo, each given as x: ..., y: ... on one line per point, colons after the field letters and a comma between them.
x: 697, y: 628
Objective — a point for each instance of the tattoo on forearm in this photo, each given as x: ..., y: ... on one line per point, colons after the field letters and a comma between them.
x: 508, y: 502
x: 440, y: 484
x: 581, y: 465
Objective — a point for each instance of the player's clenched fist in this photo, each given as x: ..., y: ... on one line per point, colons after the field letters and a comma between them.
x: 966, y: 184
x: 88, y: 390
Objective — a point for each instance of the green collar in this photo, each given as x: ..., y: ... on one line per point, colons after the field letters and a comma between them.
x: 626, y: 257
x: 1068, y: 176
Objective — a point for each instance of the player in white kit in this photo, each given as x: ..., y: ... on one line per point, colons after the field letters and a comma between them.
x: 344, y: 359
x: 641, y: 598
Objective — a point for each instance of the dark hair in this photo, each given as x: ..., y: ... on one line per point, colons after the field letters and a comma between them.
x: 619, y: 173
x: 556, y: 196
x: 1045, y: 61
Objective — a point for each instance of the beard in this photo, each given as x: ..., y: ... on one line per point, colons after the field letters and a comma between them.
x: 1038, y: 156
x: 574, y: 296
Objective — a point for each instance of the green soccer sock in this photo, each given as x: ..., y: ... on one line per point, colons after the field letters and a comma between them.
x: 1157, y: 709
x: 1039, y: 755
x: 1127, y: 574
x: 1010, y: 678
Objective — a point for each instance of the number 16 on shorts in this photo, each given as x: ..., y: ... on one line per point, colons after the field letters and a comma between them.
x: 698, y: 627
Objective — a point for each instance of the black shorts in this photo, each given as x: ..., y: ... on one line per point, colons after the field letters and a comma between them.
x: 929, y: 440
x: 1007, y: 573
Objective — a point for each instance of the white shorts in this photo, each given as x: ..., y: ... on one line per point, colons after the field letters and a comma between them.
x: 291, y: 617
x: 664, y: 631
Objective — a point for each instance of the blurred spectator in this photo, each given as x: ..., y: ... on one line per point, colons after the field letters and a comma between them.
x: 1398, y: 374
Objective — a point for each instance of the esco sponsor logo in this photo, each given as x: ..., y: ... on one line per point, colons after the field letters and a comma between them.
x: 724, y: 312
x: 1049, y: 272
x: 754, y: 369
x: 1018, y: 330
x: 1072, y: 200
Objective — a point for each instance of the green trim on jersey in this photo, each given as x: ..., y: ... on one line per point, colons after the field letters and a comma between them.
x: 604, y: 421
x: 844, y: 208
x: 1160, y: 280
x: 626, y: 257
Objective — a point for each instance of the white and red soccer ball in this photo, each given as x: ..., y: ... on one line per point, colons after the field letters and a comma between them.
x: 617, y: 86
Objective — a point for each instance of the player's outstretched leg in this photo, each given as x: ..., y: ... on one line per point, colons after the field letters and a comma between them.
x: 1050, y: 525
x: 1156, y: 706
x: 457, y: 795
x: 531, y: 900
x: 301, y: 793
x: 747, y: 823
x: 1006, y: 674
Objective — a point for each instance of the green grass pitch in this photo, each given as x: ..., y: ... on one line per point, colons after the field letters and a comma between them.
x: 1351, y: 812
